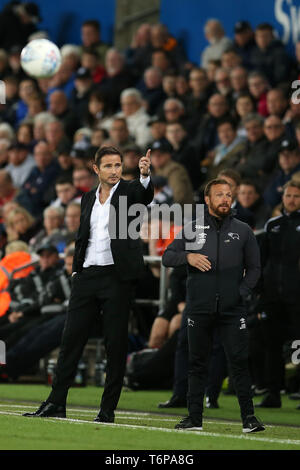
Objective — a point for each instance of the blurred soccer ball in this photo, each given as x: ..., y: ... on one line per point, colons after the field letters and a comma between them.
x: 40, y: 58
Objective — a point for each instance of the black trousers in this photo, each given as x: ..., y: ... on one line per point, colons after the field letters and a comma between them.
x: 234, y: 337
x: 282, y: 324
x: 94, y: 290
x: 38, y: 342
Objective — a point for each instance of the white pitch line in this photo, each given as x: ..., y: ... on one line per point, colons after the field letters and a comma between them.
x: 136, y: 415
x: 167, y: 430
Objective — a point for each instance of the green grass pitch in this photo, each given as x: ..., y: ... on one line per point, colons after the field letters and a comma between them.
x: 139, y: 424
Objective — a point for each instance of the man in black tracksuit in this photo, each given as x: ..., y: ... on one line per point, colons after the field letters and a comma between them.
x: 223, y: 263
x: 280, y: 299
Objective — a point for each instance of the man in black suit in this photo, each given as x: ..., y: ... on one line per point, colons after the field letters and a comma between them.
x: 105, y: 265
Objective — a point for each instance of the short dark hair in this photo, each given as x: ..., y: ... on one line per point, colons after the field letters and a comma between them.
x: 264, y: 27
x: 103, y: 151
x: 230, y: 173
x: 212, y: 183
x: 227, y: 120
x: 64, y: 180
x: 249, y: 182
x: 94, y: 23
x: 91, y: 51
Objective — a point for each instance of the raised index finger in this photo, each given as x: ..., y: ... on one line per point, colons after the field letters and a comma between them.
x: 148, y: 154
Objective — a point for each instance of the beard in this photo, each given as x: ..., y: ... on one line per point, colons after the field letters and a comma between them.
x: 221, y: 210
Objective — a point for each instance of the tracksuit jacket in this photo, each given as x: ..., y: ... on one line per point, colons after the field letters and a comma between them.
x: 234, y: 255
x: 280, y: 248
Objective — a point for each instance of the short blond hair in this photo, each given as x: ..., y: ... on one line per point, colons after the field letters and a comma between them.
x: 16, y: 245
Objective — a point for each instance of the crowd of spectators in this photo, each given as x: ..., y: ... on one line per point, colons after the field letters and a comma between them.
x: 232, y: 114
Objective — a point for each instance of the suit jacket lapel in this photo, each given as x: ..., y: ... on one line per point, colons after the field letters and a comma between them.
x: 88, y: 210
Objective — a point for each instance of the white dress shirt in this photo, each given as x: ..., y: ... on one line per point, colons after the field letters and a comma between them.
x: 98, y: 252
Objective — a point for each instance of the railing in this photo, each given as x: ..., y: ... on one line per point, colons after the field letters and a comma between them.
x: 161, y: 302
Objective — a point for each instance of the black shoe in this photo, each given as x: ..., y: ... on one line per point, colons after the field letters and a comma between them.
x: 270, y: 401
x: 48, y: 410
x: 210, y: 403
x: 190, y: 423
x: 174, y: 402
x: 251, y: 424
x: 103, y: 417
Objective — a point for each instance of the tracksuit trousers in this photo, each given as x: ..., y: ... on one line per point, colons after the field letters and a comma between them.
x: 233, y: 334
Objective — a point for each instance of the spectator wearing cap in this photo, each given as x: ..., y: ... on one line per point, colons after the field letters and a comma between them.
x: 136, y: 117
x: 35, y: 194
x: 289, y: 164
x: 119, y: 134
x: 175, y: 173
x: 269, y: 55
x: 157, y: 126
x: 162, y: 192
x: 244, y: 42
x: 59, y: 107
x: 20, y: 163
x: 215, y: 35
x: 17, y: 22
x: 28, y: 293
x: 183, y: 151
x: 250, y: 197
x: 83, y: 88
x: 91, y: 38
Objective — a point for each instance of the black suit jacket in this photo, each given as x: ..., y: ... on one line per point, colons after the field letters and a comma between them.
x: 127, y: 253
